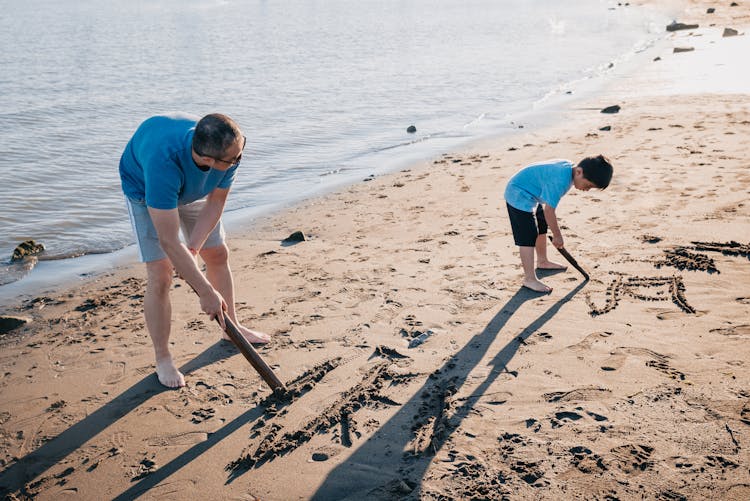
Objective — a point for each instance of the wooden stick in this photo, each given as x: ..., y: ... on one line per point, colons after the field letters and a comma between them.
x: 571, y: 260
x: 249, y: 352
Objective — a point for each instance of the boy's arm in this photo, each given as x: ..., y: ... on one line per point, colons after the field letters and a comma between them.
x: 551, y: 218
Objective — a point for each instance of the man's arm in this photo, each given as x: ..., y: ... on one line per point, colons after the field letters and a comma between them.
x: 167, y: 224
x: 208, y: 218
x: 551, y: 218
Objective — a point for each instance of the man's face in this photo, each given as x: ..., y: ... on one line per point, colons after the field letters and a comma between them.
x: 231, y: 157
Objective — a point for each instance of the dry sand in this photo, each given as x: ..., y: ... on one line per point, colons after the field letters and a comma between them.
x: 635, y: 384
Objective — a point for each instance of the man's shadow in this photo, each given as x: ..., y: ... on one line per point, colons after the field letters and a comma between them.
x: 367, y: 469
x: 50, y: 453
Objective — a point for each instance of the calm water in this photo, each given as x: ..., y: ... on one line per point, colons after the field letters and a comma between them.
x: 324, y: 91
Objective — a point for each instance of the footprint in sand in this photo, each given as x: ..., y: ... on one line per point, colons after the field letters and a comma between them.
x: 737, y: 491
x: 588, y: 341
x: 202, y: 414
x: 116, y: 373
x: 745, y: 414
x: 563, y: 417
x: 586, y: 461
x: 735, y: 330
x: 656, y: 361
x: 631, y: 458
x: 178, y: 439
x: 615, y: 362
x: 120, y: 440
x: 578, y: 394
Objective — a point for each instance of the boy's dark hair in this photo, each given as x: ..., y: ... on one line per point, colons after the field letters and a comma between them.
x: 214, y: 133
x: 598, y: 170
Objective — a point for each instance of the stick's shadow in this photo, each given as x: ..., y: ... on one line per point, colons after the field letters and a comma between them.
x: 364, y: 471
x: 37, y: 462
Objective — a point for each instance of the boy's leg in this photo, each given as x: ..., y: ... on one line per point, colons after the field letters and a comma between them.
x: 525, y: 235
x: 530, y: 279
x: 543, y: 263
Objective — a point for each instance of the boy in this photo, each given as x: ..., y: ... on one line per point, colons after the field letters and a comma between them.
x: 539, y: 188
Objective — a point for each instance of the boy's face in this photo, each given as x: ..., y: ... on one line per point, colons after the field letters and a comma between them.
x: 580, y: 182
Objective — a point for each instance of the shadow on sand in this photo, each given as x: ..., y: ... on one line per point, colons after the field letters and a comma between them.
x: 369, y: 470
x: 28, y: 468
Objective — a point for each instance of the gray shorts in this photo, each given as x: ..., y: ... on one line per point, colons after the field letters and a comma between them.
x: 145, y: 232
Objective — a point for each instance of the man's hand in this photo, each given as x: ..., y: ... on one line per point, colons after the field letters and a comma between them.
x: 214, y: 306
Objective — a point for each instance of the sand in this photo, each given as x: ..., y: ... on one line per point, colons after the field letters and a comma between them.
x: 634, y: 384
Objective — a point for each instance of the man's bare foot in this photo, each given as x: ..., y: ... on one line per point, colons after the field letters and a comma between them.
x: 549, y: 265
x: 168, y: 374
x: 536, y: 286
x: 253, y: 337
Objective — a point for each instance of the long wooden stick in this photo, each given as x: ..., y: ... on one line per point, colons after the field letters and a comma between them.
x: 571, y: 260
x: 249, y: 352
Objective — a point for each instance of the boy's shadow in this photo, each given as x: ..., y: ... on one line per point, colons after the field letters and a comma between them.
x: 544, y: 273
x: 370, y: 469
x: 50, y: 453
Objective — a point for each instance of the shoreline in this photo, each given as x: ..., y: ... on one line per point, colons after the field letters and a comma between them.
x: 630, y: 385
x: 544, y: 113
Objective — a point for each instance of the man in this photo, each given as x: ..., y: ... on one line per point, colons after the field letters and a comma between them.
x: 176, y: 173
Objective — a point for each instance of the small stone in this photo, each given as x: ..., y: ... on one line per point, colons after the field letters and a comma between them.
x: 297, y: 236
x: 320, y: 456
x: 27, y: 248
x: 675, y: 26
x: 606, y: 128
x: 611, y: 109
x: 411, y: 129
x: 7, y: 323
x: 710, y: 10
x: 677, y: 50
x: 730, y: 32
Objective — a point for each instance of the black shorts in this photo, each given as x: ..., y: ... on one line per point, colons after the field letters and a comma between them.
x: 526, y: 228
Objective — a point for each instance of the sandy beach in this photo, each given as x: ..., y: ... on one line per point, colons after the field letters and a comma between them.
x: 416, y: 366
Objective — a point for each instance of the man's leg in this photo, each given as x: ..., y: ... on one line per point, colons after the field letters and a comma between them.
x: 219, y: 275
x: 158, y: 311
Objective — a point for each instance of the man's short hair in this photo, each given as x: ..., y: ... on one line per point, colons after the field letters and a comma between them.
x: 598, y: 170
x: 214, y: 134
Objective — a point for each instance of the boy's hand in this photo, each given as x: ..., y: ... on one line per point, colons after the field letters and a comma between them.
x: 557, y: 241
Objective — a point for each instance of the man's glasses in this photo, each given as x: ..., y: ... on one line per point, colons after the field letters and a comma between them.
x: 234, y: 161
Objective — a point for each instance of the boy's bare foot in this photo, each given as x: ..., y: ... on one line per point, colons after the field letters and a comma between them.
x: 536, y: 286
x: 168, y: 374
x: 550, y: 265
x: 253, y: 337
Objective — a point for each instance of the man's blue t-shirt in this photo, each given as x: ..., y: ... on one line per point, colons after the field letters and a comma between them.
x: 542, y: 183
x: 157, y: 165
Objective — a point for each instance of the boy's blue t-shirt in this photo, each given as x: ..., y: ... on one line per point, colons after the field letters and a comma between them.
x: 157, y: 165
x: 542, y: 183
